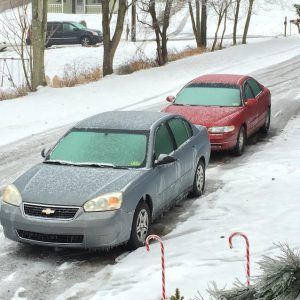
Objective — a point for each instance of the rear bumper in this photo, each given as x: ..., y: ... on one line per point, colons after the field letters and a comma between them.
x: 87, y: 230
x: 224, y: 141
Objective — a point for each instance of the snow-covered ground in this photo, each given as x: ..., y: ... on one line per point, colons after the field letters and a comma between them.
x: 49, y: 108
x: 260, y: 197
x: 256, y: 193
x: 267, y: 21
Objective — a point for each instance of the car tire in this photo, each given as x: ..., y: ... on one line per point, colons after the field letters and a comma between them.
x: 199, y: 180
x: 265, y: 128
x: 241, y: 142
x: 140, y: 226
x: 85, y: 41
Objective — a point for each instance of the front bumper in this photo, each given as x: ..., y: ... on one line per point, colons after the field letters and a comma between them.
x: 86, y: 230
x: 222, y: 141
x: 97, y: 39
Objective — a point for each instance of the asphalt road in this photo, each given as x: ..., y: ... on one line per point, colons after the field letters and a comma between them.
x: 43, y: 273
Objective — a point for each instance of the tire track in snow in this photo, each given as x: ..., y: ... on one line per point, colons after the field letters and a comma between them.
x: 45, y: 272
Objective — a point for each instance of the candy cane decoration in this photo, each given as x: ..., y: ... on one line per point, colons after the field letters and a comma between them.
x: 156, y: 237
x: 247, y: 252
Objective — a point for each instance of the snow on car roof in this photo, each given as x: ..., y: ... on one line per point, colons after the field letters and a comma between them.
x: 221, y: 78
x: 126, y: 120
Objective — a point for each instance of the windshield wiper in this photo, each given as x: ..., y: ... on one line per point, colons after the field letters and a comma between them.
x: 100, y: 165
x: 57, y: 162
x: 96, y: 165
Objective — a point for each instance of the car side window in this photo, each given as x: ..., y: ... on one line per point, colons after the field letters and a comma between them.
x: 55, y: 27
x: 68, y: 27
x: 163, y: 141
x: 179, y: 131
x: 248, y: 94
x: 254, y: 86
x: 188, y: 128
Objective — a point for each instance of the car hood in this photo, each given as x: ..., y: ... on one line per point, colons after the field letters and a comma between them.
x: 95, y: 30
x: 205, y: 115
x: 71, y: 185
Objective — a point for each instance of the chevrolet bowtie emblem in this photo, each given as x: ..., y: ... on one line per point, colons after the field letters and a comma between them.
x: 48, y: 211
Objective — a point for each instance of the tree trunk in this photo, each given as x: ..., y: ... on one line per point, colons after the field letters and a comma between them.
x: 224, y: 29
x: 166, y: 23
x: 133, y: 21
x: 249, y: 14
x: 196, y: 24
x: 220, y: 17
x: 110, y: 45
x: 204, y: 23
x: 236, y: 18
x: 38, y: 39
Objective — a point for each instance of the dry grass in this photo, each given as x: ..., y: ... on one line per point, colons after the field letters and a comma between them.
x: 142, y: 63
x: 14, y: 93
x: 72, y: 77
x: 136, y: 65
x: 186, y: 53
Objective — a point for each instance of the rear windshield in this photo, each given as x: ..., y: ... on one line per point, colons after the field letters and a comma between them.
x: 208, y: 94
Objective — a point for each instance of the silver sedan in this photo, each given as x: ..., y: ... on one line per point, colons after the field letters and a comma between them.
x: 106, y: 180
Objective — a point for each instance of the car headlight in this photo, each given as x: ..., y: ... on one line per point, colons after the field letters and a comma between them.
x: 221, y: 129
x: 12, y: 196
x: 94, y: 33
x: 105, y: 202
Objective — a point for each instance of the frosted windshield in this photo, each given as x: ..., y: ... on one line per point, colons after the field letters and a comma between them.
x: 117, y: 148
x: 209, y: 95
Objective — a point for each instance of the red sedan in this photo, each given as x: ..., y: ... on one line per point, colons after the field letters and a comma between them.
x: 231, y: 107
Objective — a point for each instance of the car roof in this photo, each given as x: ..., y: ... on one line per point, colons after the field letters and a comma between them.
x: 221, y: 78
x: 124, y: 120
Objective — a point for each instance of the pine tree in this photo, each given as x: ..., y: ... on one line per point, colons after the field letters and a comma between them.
x: 280, y: 280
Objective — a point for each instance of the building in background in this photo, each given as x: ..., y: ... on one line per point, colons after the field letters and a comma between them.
x: 74, y: 6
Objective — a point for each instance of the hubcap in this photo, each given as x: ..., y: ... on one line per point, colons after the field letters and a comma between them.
x: 142, y: 225
x: 85, y: 42
x: 200, y: 177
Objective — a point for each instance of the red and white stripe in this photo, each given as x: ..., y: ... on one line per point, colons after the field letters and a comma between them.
x: 157, y: 238
x: 247, y: 252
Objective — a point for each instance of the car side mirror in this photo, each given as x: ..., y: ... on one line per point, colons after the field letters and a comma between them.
x: 164, y: 159
x: 170, y: 99
x: 44, y: 152
x: 251, y: 102
x: 75, y: 29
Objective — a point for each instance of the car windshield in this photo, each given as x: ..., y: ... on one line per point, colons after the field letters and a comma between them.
x: 78, y: 25
x: 209, y: 94
x: 101, y: 148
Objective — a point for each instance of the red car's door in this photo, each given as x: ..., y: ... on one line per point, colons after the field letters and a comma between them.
x: 261, y: 95
x: 250, y: 111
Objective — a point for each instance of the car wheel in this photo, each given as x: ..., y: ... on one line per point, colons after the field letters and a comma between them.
x: 241, y: 142
x: 85, y: 41
x: 265, y: 128
x: 140, y: 226
x: 199, y: 180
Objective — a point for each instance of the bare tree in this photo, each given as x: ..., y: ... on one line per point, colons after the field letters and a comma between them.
x: 14, y: 26
x: 224, y: 27
x: 38, y: 40
x: 133, y: 21
x: 199, y: 21
x: 220, y: 7
x: 110, y: 44
x: 204, y: 23
x: 236, y: 18
x: 160, y: 27
x: 297, y: 7
x: 249, y: 14
x: 196, y: 21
